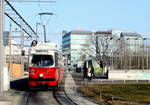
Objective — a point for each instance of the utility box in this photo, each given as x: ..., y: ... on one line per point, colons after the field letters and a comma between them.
x: 15, y: 70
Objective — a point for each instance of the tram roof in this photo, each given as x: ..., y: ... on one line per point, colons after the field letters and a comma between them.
x: 45, y: 46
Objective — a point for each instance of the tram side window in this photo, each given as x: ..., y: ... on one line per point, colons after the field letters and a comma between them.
x: 56, y: 59
x: 42, y: 60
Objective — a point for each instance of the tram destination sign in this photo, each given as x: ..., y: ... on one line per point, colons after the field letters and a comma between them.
x: 42, y: 51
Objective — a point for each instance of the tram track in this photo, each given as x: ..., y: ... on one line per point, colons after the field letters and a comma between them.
x: 38, y: 97
x: 62, y: 98
x: 53, y: 97
x: 26, y: 98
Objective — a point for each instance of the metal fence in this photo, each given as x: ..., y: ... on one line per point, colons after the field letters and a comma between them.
x: 108, y: 98
x: 126, y: 53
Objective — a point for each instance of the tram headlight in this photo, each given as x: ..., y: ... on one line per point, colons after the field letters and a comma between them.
x: 41, y: 75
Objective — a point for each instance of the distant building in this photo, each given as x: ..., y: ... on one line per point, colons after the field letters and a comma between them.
x: 133, y: 41
x: 77, y: 46
x: 118, y: 45
x: 15, y: 51
x: 6, y: 38
x: 124, y: 34
x: 111, y: 41
x: 130, y: 41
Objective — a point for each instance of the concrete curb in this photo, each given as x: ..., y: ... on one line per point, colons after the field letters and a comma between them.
x: 71, y: 91
x: 4, y: 100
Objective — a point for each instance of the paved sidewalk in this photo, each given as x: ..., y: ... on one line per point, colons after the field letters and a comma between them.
x: 5, y: 99
x: 71, y: 91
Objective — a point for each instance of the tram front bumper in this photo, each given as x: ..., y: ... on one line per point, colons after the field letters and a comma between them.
x: 42, y: 82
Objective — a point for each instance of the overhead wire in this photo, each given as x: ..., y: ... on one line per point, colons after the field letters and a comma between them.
x: 20, y: 17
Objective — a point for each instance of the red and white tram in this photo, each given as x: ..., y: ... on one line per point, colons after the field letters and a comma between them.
x: 45, y: 65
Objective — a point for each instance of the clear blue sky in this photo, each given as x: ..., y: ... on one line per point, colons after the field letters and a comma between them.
x: 128, y: 15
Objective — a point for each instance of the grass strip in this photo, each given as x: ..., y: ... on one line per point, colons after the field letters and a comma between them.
x: 139, y: 92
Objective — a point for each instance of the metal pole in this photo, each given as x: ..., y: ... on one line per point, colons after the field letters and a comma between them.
x: 147, y: 53
x: 130, y: 55
x: 1, y: 45
x: 36, y: 30
x: 143, y: 55
x: 139, y: 54
x: 10, y: 56
x: 44, y: 33
x: 136, y: 56
x: 125, y: 57
x: 22, y: 46
x: 97, y: 51
x: 121, y: 53
x: 111, y: 39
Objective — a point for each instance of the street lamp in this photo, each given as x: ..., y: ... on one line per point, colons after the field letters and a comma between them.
x: 1, y: 45
x: 44, y: 25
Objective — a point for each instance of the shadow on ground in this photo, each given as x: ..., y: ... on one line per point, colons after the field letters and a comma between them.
x: 20, y: 84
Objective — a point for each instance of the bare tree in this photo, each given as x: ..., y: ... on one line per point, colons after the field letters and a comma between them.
x: 109, y: 49
x: 103, y: 47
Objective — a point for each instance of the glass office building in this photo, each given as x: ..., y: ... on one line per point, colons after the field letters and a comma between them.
x: 77, y: 46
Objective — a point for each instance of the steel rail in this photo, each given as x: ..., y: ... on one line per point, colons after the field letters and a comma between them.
x: 58, y: 99
x: 69, y: 98
x: 27, y: 98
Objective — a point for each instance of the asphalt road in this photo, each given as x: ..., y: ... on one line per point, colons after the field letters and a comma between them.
x: 23, y: 95
x: 42, y: 98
